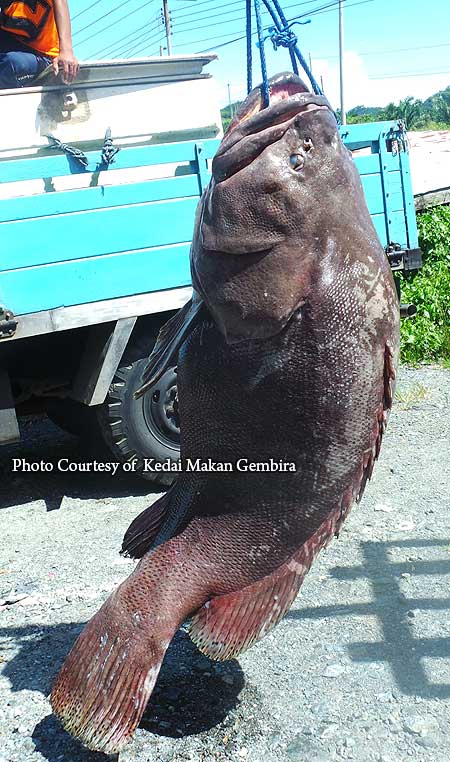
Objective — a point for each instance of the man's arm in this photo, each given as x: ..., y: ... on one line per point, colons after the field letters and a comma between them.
x: 66, y: 59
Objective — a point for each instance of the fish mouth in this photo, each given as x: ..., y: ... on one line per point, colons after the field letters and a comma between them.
x: 255, y: 127
x: 281, y: 87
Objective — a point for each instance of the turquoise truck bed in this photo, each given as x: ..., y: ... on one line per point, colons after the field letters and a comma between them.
x: 383, y: 163
x: 82, y: 246
x: 96, y: 243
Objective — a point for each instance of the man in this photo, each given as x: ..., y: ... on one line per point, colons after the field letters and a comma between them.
x: 33, y: 35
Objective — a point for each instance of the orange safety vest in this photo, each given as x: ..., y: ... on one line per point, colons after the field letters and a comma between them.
x: 33, y: 22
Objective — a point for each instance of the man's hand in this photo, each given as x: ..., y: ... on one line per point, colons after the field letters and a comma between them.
x: 67, y: 64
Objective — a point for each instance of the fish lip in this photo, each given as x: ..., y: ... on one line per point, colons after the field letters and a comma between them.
x: 255, y: 127
x: 278, y: 113
x: 232, y: 157
x: 280, y: 87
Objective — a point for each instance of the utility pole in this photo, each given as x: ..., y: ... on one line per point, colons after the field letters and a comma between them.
x: 229, y: 101
x: 167, y: 26
x: 341, y: 59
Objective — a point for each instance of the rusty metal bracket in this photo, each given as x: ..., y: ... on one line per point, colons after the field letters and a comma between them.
x: 8, y: 323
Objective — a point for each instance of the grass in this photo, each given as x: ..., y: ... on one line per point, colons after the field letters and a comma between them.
x: 425, y: 338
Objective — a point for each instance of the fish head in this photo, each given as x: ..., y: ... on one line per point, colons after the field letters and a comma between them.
x: 281, y: 180
x: 270, y: 163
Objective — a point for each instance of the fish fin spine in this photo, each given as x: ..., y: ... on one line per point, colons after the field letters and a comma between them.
x: 379, y: 426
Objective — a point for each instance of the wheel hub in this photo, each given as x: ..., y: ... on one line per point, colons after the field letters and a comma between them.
x: 161, y: 408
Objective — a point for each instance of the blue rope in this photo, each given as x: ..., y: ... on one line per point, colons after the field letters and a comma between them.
x: 297, y: 51
x: 249, y: 45
x: 281, y: 35
x: 279, y: 29
x: 315, y: 86
x: 273, y: 14
x: 284, y: 23
x: 262, y: 53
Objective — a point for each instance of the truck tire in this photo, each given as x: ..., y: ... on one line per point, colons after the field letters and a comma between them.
x: 145, y: 428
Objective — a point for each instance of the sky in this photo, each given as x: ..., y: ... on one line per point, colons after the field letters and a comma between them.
x: 392, y: 49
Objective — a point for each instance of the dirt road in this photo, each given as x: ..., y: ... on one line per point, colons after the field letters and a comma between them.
x: 358, y: 670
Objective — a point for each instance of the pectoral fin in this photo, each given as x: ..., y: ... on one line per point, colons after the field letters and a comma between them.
x: 170, y: 339
x: 145, y: 527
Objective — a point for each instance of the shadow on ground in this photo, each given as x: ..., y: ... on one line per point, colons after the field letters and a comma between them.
x: 54, y: 743
x: 192, y: 694
x: 43, y: 441
x: 400, y: 648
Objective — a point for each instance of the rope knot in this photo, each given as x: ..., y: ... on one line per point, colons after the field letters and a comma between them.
x: 109, y: 150
x: 282, y: 38
x: 71, y: 151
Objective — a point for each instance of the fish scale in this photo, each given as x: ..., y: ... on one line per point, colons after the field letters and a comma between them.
x: 286, y: 354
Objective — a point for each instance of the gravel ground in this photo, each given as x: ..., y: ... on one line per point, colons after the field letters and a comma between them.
x: 358, y: 670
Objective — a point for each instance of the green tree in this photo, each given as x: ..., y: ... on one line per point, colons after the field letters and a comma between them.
x: 442, y: 106
x: 410, y: 110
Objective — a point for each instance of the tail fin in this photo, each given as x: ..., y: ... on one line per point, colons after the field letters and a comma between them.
x: 104, y: 685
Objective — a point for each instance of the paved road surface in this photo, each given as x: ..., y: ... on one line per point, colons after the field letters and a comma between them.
x: 358, y: 670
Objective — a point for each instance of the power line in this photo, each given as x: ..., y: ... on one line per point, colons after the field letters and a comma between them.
x: 408, y: 74
x: 312, y: 12
x: 100, y: 18
x: 148, y: 2
x: 204, y: 18
x: 117, y: 52
x: 208, y: 26
x: 239, y: 2
x: 239, y: 18
x: 120, y: 42
x: 317, y: 11
x: 223, y: 44
x: 140, y: 45
x: 392, y: 50
x: 204, y: 2
x: 77, y: 15
x: 325, y: 8
x: 122, y: 39
x: 142, y: 48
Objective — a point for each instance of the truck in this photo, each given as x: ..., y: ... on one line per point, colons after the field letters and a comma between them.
x: 99, y: 183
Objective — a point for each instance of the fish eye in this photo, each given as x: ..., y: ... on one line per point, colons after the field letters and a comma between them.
x: 296, y: 161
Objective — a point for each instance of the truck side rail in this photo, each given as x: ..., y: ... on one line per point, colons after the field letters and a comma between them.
x: 108, y: 241
x: 380, y: 151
